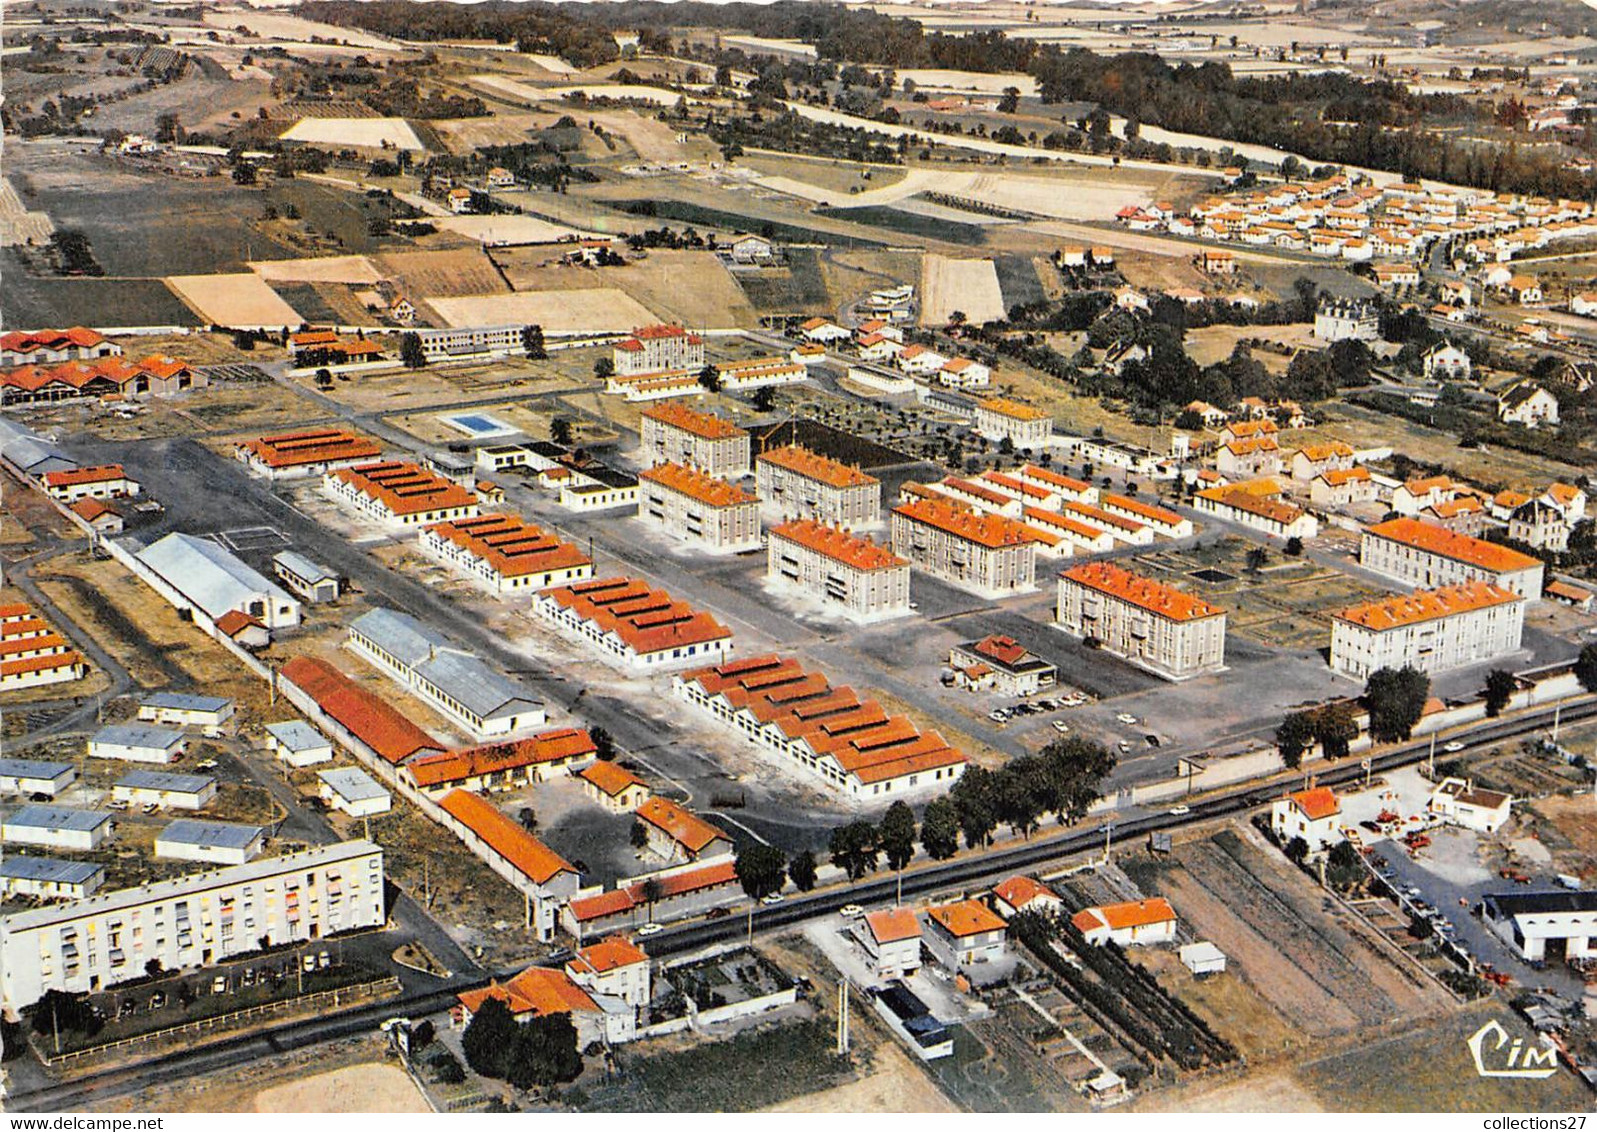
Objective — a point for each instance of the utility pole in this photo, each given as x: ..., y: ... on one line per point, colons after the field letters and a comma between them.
x: 1558, y: 710
x: 1108, y: 834
x: 1433, y: 757
x: 842, y: 1017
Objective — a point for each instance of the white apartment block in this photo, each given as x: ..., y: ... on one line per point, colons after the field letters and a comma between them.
x: 1424, y: 555
x: 1431, y: 630
x: 676, y: 434
x: 653, y: 349
x: 1022, y: 425
x: 1165, y: 630
x: 696, y: 507
x: 848, y: 573
x: 796, y: 483
x: 987, y: 554
x: 190, y: 921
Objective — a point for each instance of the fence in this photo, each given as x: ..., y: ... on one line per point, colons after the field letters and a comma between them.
x: 388, y: 985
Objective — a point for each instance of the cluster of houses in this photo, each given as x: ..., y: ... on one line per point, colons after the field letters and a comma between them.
x: 663, y: 361
x: 880, y: 342
x: 1345, y: 216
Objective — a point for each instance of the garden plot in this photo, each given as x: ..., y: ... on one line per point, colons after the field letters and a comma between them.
x: 319, y: 269
x: 243, y: 301
x: 968, y: 285
x: 590, y: 310
x: 362, y: 133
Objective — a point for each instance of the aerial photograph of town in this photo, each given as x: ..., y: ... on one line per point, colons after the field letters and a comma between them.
x: 910, y: 556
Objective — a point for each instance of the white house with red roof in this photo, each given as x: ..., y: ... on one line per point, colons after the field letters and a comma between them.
x: 892, y: 938
x: 654, y: 349
x: 1024, y: 894
x: 1315, y: 815
x: 1139, y: 923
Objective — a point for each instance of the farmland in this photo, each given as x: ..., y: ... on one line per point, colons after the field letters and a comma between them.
x: 234, y: 300
x: 967, y: 285
x: 654, y: 282
x: 558, y: 312
x: 359, y: 133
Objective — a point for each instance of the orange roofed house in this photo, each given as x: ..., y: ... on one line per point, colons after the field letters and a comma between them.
x: 674, y: 894
x: 892, y: 938
x: 1315, y: 815
x: 697, y: 507
x: 602, y: 989
x: 676, y: 434
x: 966, y: 933
x: 104, y: 481
x: 984, y: 553
x: 503, y: 766
x: 795, y: 483
x: 613, y: 786
x: 1139, y: 922
x: 634, y: 625
x: 853, y: 746
x: 848, y: 573
x: 1165, y: 630
x: 679, y: 836
x: 1023, y: 894
x: 1000, y: 664
x: 35, y: 347
x: 397, y: 491
x: 1422, y: 554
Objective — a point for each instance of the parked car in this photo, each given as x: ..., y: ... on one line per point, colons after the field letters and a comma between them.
x: 323, y: 959
x: 208, y: 764
x: 851, y: 911
x: 1061, y: 726
x: 1126, y: 717
x: 651, y: 929
x: 308, y: 962
x: 219, y: 984
x: 771, y: 898
x: 1179, y: 811
x: 1453, y: 748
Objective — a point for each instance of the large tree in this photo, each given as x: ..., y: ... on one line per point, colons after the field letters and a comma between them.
x: 545, y: 1053
x: 975, y: 801
x: 489, y: 1039
x: 1396, y: 699
x: 410, y: 351
x: 854, y: 849
x: 1499, y: 690
x: 896, y: 835
x: 760, y: 869
x: 801, y: 870
x: 1293, y: 737
x: 1335, y: 728
x: 1076, y: 770
x: 1586, y: 667
x: 939, y: 829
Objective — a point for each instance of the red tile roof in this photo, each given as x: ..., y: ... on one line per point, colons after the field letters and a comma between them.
x: 702, y: 486
x: 1317, y: 803
x: 893, y: 924
x: 843, y: 546
x: 689, y: 830
x: 25, y: 340
x: 365, y: 715
x: 311, y: 446
x: 609, y: 954
x: 497, y: 758
x: 708, y: 426
x: 1132, y: 914
x: 833, y: 722
x: 966, y: 918
x: 646, y: 619
x: 538, y: 991
x: 1427, y: 605
x: 1145, y: 593
x: 812, y: 465
x: 990, y: 531
x: 1449, y: 544
x: 524, y: 852
x: 512, y: 547
x: 1019, y: 891
x: 610, y: 778
x: 405, y: 488
x: 71, y: 477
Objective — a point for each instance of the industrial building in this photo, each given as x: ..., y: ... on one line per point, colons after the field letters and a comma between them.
x: 197, y: 573
x: 214, y: 842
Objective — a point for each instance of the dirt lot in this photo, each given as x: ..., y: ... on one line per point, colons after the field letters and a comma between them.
x: 691, y: 287
x: 442, y: 273
x: 369, y: 1087
x: 968, y: 285
x: 234, y: 300
x: 558, y: 312
x: 399, y: 390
